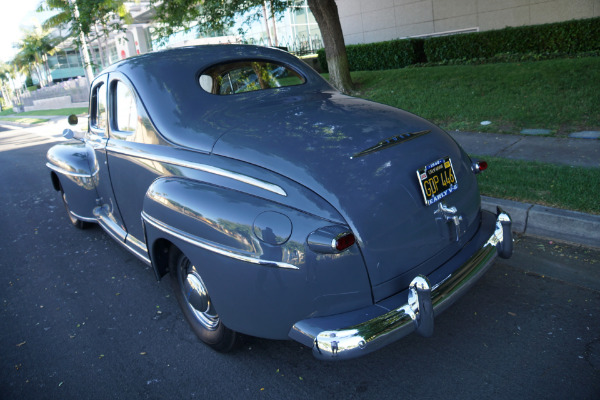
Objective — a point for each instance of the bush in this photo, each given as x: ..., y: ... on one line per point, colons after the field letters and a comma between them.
x: 392, y: 54
x: 569, y: 37
x: 562, y: 39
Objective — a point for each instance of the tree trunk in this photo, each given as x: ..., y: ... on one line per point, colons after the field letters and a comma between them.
x: 100, y: 51
x: 328, y: 19
x: 47, y: 68
x: 105, y: 34
x: 5, y: 93
x: 266, y: 18
x: 83, y: 49
x: 36, y: 68
x: 93, y: 53
x: 274, y: 25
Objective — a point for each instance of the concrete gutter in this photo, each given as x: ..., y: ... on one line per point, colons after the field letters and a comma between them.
x: 552, y: 223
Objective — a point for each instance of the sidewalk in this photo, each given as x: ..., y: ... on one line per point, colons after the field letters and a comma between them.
x: 56, y: 123
x: 566, y: 151
x: 536, y: 220
x: 569, y: 226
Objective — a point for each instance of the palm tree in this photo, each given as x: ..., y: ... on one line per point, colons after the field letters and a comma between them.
x: 33, y: 50
x: 25, y: 59
x: 80, y: 17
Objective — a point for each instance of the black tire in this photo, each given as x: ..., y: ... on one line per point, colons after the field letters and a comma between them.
x: 76, y: 222
x: 198, y: 310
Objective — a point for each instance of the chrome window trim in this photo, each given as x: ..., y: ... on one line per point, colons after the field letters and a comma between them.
x: 70, y: 173
x: 196, y: 241
x: 270, y: 187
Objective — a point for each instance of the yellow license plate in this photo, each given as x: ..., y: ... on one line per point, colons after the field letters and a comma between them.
x: 437, y: 180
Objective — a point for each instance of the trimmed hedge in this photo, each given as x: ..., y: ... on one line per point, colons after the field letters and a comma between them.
x: 392, y: 54
x: 570, y: 37
x: 563, y: 37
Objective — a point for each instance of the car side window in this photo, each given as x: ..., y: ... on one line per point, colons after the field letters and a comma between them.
x: 247, y: 76
x: 98, y: 119
x: 125, y: 108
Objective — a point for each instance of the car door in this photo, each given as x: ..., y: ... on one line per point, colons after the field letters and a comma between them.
x: 106, y: 212
x: 132, y: 143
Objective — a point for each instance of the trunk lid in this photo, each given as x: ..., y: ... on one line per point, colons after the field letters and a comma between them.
x: 312, y: 140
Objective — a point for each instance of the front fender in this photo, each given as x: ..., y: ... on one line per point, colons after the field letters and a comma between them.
x: 252, y: 255
x: 74, y: 167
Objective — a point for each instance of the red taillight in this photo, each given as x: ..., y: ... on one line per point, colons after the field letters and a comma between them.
x: 344, y: 241
x: 331, y: 239
x: 479, y: 166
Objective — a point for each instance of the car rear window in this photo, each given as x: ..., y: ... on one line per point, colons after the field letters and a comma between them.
x: 247, y: 76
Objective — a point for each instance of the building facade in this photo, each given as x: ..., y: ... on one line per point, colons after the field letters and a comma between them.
x: 367, y: 21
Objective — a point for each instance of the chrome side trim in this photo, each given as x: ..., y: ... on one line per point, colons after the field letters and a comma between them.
x: 119, y: 235
x: 135, y: 242
x: 70, y: 173
x: 423, y: 303
x: 270, y: 187
x: 84, y: 219
x: 196, y: 241
x: 141, y: 256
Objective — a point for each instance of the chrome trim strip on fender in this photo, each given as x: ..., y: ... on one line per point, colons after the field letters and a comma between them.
x: 135, y: 242
x: 205, y: 168
x: 416, y: 314
x: 196, y: 241
x: 143, y: 257
x: 70, y: 173
x: 84, y: 219
x: 120, y: 236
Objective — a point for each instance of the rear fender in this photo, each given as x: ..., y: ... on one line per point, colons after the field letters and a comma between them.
x: 252, y: 255
x: 75, y: 172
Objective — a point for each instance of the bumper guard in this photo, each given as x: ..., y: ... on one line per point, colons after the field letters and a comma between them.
x: 417, y: 314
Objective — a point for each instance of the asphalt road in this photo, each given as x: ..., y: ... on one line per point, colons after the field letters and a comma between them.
x: 81, y: 318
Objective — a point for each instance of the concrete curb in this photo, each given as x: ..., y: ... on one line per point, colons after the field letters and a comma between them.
x: 548, y: 222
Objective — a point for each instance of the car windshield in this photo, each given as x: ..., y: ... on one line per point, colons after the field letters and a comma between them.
x: 247, y: 76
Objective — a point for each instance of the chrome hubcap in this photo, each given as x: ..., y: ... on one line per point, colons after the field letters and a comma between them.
x: 196, y: 295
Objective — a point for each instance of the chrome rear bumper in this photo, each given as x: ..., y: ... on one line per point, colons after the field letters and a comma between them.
x: 382, y: 325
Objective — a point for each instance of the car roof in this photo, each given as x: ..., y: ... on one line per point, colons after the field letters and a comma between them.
x: 167, y: 83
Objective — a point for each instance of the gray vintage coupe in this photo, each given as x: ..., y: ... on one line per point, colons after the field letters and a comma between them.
x: 279, y: 207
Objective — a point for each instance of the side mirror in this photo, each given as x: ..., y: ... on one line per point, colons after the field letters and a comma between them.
x: 67, y: 133
x: 73, y: 120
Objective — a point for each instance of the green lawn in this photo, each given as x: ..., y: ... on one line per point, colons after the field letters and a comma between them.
x: 561, y: 95
x: 573, y: 188
x: 60, y: 111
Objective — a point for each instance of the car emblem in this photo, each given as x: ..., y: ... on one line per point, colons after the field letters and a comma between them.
x: 450, y: 215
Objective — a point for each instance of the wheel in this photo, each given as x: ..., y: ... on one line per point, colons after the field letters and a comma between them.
x: 77, y: 223
x: 198, y: 310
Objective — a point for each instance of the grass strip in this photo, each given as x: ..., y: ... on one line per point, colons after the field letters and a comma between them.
x: 6, y: 111
x: 561, y: 95
x: 572, y: 188
x: 24, y: 120
x: 60, y: 111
